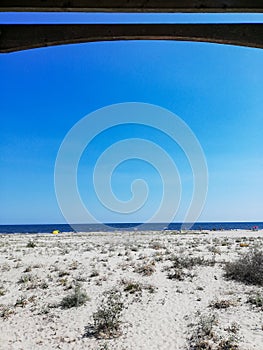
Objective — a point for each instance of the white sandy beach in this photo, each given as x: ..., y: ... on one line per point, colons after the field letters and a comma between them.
x: 37, y: 271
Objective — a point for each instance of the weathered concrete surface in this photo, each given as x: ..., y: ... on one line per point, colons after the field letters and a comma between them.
x: 22, y: 37
x: 133, y: 5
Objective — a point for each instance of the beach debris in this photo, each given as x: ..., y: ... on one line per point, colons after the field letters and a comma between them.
x: 244, y: 245
x: 55, y: 232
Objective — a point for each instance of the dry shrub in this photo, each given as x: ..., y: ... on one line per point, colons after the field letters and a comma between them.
x: 222, y: 304
x: 146, y: 269
x: 107, y: 319
x: 256, y: 300
x: 247, y: 269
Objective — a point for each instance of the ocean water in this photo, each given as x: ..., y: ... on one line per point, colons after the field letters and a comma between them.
x: 47, y: 228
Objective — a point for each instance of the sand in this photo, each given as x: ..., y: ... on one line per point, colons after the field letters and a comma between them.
x: 38, y: 271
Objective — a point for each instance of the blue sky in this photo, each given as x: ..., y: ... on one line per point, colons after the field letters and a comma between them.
x: 216, y: 89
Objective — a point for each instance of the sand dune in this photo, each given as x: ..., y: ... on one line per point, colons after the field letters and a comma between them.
x: 163, y: 307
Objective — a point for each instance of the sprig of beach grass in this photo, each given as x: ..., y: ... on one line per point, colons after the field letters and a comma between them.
x: 77, y: 298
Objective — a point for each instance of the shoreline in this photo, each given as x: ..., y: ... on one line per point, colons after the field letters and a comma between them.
x: 129, y: 231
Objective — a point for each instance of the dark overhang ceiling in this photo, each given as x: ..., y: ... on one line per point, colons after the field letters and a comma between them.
x: 132, y: 5
x: 22, y: 37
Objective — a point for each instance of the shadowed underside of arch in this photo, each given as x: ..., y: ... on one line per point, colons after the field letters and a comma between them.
x: 23, y: 37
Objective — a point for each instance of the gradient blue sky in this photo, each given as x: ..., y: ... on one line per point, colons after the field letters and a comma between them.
x: 216, y: 89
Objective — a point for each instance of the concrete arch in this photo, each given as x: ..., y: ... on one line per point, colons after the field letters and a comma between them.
x: 23, y: 37
x: 170, y: 6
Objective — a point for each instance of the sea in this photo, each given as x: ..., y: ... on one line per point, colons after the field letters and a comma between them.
x: 109, y: 227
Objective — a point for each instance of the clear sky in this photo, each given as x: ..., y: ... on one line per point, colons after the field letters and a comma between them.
x: 216, y: 89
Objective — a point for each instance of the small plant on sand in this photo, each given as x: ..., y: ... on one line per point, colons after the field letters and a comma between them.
x: 176, y: 274
x: 30, y: 281
x: 182, y: 263
x: 187, y: 262
x: 81, y: 278
x: 74, y: 265
x: 64, y: 251
x: 94, y: 273
x: 136, y: 288
x: 6, y: 311
x: 228, y: 344
x: 2, y: 291
x: 256, y: 300
x: 221, y: 304
x: 63, y: 281
x: 233, y: 328
x: 5, y: 267
x: 146, y: 269
x: 203, y: 335
x: 231, y: 342
x: 43, y: 285
x: 206, y: 325
x: 21, y: 301
x: 158, y: 257
x: 63, y: 273
x: 247, y: 269
x: 107, y: 319
x: 104, y: 347
x: 28, y: 269
x: 156, y: 245
x: 18, y: 265
x: 36, y: 266
x: 132, y: 287
x: 31, y: 244
x: 26, y: 278
x: 45, y: 309
x: 77, y: 298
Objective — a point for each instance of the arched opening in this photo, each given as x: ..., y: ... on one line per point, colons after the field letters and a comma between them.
x: 216, y: 90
